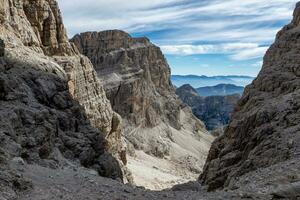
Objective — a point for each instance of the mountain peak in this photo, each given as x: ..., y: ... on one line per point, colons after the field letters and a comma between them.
x: 187, y: 87
x: 111, y: 40
x: 136, y: 78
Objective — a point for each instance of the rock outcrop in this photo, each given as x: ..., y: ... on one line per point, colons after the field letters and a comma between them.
x: 38, y: 26
x: 53, y: 109
x: 41, y: 123
x: 262, y: 142
x: 136, y: 78
x: 214, y: 111
x: 135, y: 75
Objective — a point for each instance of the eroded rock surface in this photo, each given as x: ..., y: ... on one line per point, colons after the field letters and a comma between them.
x: 265, y: 128
x: 136, y: 78
x: 54, y: 111
x: 135, y: 75
x: 37, y: 25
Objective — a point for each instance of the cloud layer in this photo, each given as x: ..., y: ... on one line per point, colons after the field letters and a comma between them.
x: 237, y: 51
x: 241, y: 29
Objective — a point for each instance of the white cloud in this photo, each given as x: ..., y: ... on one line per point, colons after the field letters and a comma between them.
x: 247, y: 54
x: 237, y: 51
x: 197, y: 20
x: 113, y: 14
x: 239, y: 28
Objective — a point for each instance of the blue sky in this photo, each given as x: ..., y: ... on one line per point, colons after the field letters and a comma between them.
x: 203, y: 37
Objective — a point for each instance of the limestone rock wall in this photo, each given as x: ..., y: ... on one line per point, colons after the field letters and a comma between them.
x: 135, y: 74
x: 32, y: 30
x: 40, y: 120
x: 38, y: 26
x: 265, y: 128
x: 136, y: 78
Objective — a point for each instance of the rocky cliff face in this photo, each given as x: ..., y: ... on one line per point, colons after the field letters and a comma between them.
x: 53, y: 107
x: 264, y: 132
x: 136, y: 78
x: 38, y: 26
x: 46, y: 134
x: 42, y: 124
x: 214, y: 111
x: 134, y: 73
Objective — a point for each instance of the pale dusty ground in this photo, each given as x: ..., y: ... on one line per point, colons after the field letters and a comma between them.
x: 183, y: 160
x: 184, y: 163
x: 155, y: 173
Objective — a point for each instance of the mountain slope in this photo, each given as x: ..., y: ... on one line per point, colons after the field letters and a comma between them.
x: 214, y: 111
x: 263, y: 137
x: 136, y: 78
x: 220, y: 90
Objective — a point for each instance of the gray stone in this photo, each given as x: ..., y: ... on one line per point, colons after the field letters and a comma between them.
x: 288, y: 191
x: 2, y: 47
x: 136, y: 78
x: 18, y: 160
x: 50, y: 97
x: 266, y: 118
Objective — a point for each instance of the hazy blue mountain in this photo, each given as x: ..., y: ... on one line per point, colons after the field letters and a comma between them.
x: 203, y: 81
x: 214, y: 111
x: 220, y: 90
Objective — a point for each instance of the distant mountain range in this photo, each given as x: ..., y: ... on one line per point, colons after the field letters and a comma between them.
x: 214, y: 111
x: 220, y: 90
x: 204, y: 81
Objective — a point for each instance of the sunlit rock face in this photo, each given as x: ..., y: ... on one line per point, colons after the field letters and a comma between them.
x: 265, y: 129
x: 135, y: 74
x: 136, y: 78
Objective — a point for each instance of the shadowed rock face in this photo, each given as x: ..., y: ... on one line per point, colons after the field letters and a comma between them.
x: 214, y: 111
x: 37, y: 25
x: 265, y: 128
x: 39, y: 117
x: 53, y: 108
x: 42, y: 124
